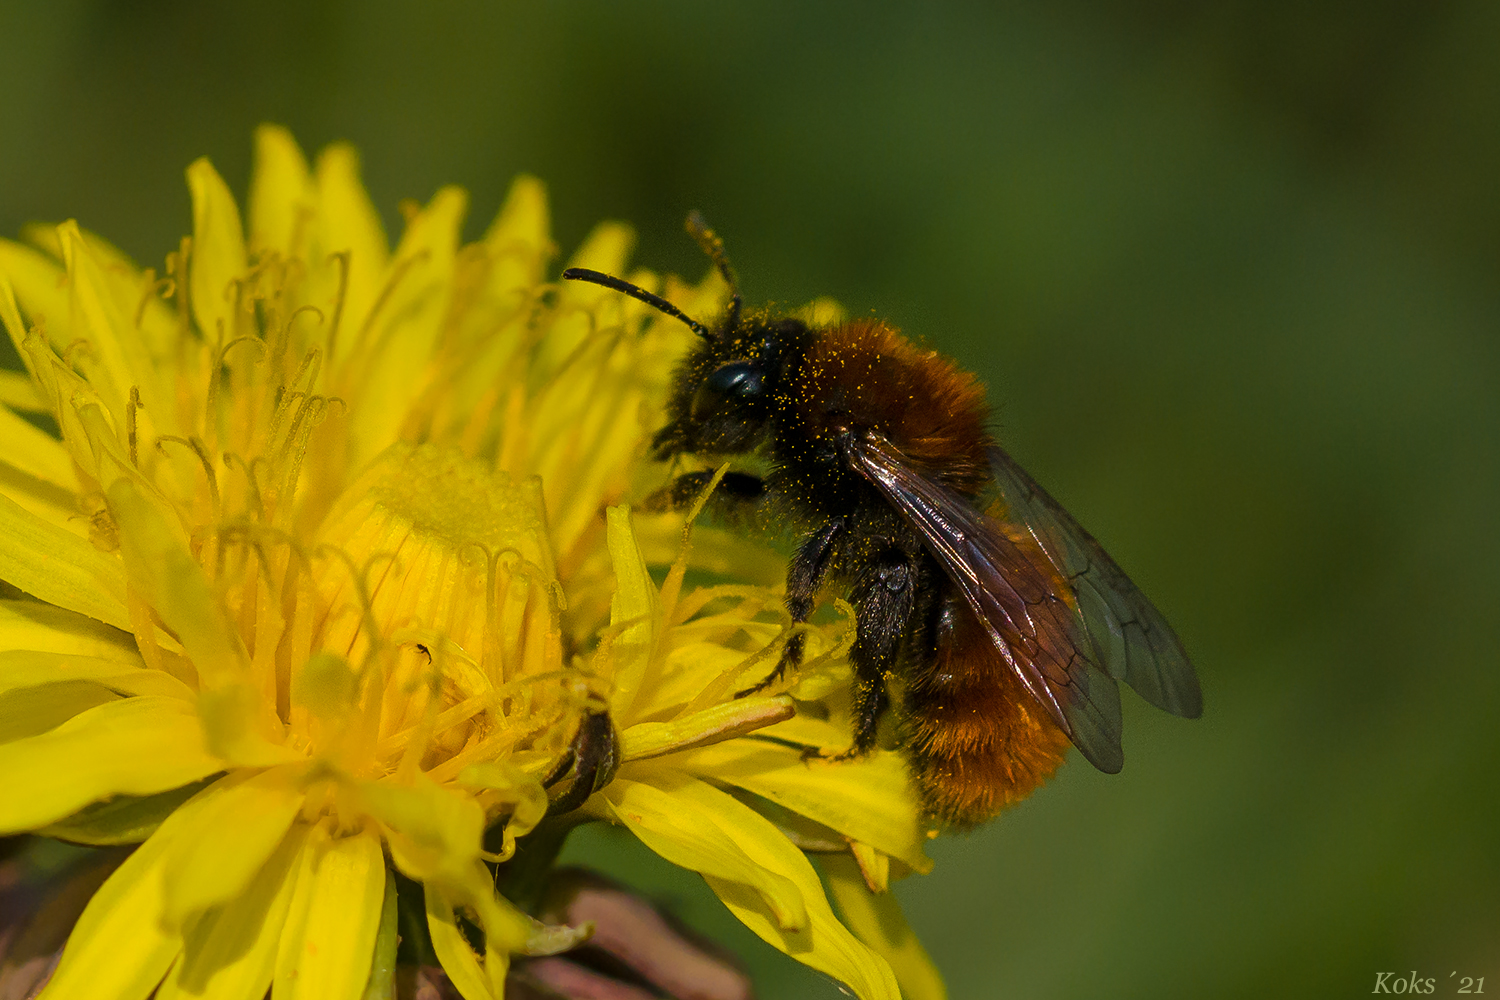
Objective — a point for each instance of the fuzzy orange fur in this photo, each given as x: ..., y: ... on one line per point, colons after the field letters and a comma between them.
x: 982, y: 742
x: 978, y: 740
x: 934, y: 412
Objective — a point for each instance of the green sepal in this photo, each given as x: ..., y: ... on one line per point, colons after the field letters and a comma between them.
x: 124, y: 819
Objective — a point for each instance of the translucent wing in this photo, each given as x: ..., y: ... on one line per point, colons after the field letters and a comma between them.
x: 1130, y: 638
x: 1011, y: 590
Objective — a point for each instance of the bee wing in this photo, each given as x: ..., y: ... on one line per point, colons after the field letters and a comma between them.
x: 1130, y: 637
x: 1038, y: 635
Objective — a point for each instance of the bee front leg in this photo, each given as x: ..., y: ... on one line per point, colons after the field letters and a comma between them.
x: 737, y: 496
x: 804, y: 575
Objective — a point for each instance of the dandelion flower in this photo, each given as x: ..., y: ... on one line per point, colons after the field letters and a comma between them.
x: 328, y: 559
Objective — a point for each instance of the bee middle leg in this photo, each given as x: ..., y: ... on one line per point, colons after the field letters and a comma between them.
x: 804, y: 575
x: 738, y: 498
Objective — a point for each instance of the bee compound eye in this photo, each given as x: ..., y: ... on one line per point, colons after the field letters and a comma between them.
x: 738, y: 381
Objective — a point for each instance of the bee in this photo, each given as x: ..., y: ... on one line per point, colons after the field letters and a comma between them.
x: 1002, y: 621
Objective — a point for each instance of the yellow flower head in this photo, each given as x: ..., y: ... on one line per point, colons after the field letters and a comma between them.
x: 328, y: 559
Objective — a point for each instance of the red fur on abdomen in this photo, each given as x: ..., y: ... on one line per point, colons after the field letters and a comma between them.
x: 977, y: 741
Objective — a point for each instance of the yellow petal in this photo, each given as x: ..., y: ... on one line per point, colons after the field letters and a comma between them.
x: 39, y: 289
x: 135, y: 746
x: 31, y: 711
x: 635, y: 600
x: 827, y: 946
x: 671, y: 820
x: 453, y: 950
x: 508, y: 785
x: 326, y: 948
x: 18, y: 392
x: 25, y: 668
x: 230, y: 841
x: 123, y: 359
x: 808, y: 731
x: 119, y: 950
x: 877, y: 920
x: 712, y: 725
x: 818, y: 939
x: 700, y: 671
x: 57, y: 566
x: 87, y: 433
x: 506, y: 931
x: 605, y: 249
x: 868, y: 799
x: 397, y: 338
x: 874, y: 865
x: 519, y: 240
x: 239, y: 724
x: 150, y: 317
x: 434, y: 833
x: 35, y: 452
x: 218, y: 256
x: 49, y: 503
x: 230, y: 952
x: 524, y: 219
x: 45, y: 628
x: 281, y: 195
x: 348, y: 223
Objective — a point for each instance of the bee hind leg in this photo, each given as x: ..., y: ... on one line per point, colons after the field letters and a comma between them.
x: 595, y: 752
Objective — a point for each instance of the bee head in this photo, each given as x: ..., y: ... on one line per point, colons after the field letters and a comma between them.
x: 721, y: 404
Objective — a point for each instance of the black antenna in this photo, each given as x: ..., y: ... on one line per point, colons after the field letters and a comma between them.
x: 640, y: 294
x: 714, y: 247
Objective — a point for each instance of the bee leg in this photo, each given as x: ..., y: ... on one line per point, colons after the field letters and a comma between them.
x: 791, y: 657
x: 804, y: 574
x: 596, y: 752
x: 884, y: 599
x: 737, y: 496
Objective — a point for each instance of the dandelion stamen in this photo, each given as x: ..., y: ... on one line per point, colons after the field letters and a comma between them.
x: 177, y: 269
x: 253, y: 485
x: 341, y: 258
x: 671, y: 588
x: 152, y: 287
x: 399, y: 271
x: 196, y: 446
x: 130, y: 428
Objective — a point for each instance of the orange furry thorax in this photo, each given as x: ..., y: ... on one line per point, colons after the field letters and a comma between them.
x: 864, y: 374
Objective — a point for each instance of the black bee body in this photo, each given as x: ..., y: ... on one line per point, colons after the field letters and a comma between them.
x: 797, y: 397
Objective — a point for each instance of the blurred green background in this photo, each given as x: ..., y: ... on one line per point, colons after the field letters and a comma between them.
x: 1230, y: 271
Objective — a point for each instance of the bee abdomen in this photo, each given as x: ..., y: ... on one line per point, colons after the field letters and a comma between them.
x: 976, y: 740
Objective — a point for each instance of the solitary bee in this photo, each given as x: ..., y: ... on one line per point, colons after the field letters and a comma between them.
x: 1003, y: 620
